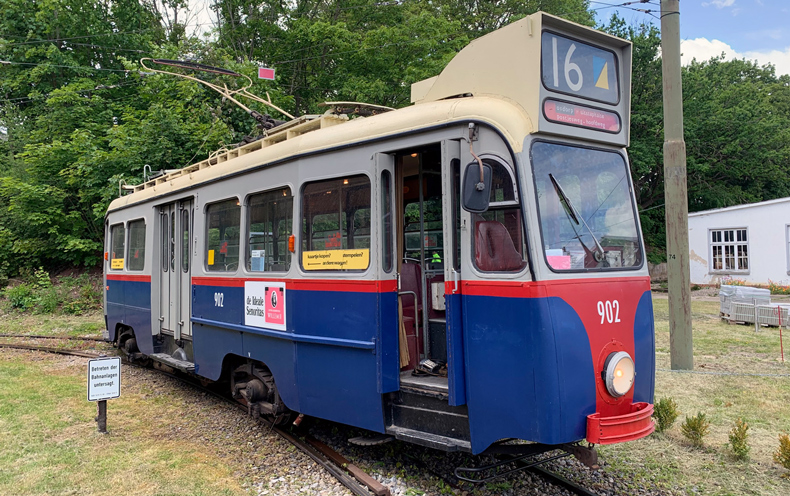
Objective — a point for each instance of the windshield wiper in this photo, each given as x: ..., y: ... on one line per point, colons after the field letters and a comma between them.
x: 566, y: 203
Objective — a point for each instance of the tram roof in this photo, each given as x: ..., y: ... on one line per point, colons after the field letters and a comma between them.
x: 496, y: 79
x: 513, y: 123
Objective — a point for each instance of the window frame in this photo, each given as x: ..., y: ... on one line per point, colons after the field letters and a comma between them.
x: 735, y: 244
x: 535, y: 204
x: 206, y: 234
x: 248, y: 223
x: 371, y: 184
x: 503, y: 206
x: 123, y: 249
x: 129, y: 244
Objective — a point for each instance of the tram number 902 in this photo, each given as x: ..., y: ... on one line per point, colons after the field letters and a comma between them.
x: 219, y: 299
x: 609, y: 311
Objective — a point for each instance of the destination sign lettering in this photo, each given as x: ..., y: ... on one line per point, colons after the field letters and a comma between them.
x: 579, y: 69
x: 581, y: 115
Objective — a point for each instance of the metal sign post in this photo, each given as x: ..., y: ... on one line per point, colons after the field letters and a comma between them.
x: 104, y: 383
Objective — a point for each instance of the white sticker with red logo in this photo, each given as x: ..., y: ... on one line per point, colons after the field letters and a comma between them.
x: 264, y: 304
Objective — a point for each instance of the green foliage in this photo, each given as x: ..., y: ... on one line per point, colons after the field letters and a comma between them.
x: 695, y: 428
x: 71, y: 295
x: 739, y: 440
x: 782, y: 453
x: 665, y: 412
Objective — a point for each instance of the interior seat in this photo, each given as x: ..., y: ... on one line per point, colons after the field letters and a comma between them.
x: 494, y: 249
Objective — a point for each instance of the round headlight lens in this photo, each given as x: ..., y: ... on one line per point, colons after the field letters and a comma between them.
x: 619, y: 373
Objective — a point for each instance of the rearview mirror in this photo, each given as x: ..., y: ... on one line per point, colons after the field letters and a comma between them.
x: 476, y: 194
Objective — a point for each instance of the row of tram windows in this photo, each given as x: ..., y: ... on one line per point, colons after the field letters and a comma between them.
x: 335, y: 229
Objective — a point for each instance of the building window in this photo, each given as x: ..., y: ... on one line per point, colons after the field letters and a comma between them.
x: 729, y: 250
x: 787, y: 246
x: 136, y: 255
x: 222, y: 236
x: 117, y: 238
x: 336, y: 224
x: 270, y: 217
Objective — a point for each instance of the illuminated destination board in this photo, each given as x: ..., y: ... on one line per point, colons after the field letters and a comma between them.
x: 579, y: 69
x: 581, y: 115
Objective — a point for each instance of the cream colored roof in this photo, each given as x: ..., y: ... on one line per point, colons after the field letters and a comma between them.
x: 511, y: 120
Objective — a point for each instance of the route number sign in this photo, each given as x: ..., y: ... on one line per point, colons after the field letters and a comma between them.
x: 579, y: 69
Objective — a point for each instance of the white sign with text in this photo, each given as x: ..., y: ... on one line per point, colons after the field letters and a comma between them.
x: 104, y: 378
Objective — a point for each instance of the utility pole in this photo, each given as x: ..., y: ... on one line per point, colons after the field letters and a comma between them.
x: 675, y: 192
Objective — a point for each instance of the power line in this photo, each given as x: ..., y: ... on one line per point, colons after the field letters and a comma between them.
x: 77, y: 67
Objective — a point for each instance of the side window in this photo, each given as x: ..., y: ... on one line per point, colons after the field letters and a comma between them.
x: 185, y: 228
x: 498, y: 241
x: 270, y: 217
x: 336, y: 224
x: 136, y: 255
x: 223, y: 226
x: 386, y: 221
x: 117, y: 239
x: 164, y: 239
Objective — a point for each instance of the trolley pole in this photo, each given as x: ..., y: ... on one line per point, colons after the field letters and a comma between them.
x: 675, y: 192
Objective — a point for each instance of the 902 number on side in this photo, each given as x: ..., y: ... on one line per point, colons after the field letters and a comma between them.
x: 609, y: 311
x: 219, y: 299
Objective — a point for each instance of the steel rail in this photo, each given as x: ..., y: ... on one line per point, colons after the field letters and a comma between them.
x: 33, y: 336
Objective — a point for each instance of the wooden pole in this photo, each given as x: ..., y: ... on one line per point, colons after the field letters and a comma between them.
x: 675, y: 192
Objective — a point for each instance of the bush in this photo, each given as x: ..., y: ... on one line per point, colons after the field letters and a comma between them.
x: 665, y: 413
x: 71, y: 295
x: 738, y: 440
x: 20, y: 296
x: 782, y: 454
x: 695, y: 428
x: 777, y: 288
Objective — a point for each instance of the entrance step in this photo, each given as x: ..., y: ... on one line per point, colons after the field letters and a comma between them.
x: 177, y: 364
x: 429, y: 440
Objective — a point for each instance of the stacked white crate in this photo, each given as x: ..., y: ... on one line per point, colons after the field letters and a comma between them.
x: 737, y: 303
x: 773, y: 315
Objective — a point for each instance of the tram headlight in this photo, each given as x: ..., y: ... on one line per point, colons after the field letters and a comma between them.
x: 619, y: 373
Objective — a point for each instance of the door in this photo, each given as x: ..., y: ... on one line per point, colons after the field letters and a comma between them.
x: 175, y: 230
x: 451, y: 214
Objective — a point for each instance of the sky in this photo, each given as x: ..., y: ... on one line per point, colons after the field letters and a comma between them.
x: 752, y: 29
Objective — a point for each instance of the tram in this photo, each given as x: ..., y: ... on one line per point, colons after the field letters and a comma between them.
x: 461, y: 271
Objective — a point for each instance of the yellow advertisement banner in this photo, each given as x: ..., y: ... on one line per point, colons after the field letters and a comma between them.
x: 211, y: 257
x: 336, y: 259
x: 117, y: 263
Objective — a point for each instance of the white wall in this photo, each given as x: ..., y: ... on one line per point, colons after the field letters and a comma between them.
x: 766, y: 235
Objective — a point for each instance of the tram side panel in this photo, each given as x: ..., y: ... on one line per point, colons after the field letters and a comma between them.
x: 128, y: 290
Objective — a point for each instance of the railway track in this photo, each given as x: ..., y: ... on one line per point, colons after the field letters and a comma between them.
x: 349, y: 475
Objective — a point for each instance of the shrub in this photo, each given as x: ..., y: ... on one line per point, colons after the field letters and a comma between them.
x: 20, y: 296
x: 695, y: 428
x: 739, y: 441
x: 782, y: 454
x: 665, y: 412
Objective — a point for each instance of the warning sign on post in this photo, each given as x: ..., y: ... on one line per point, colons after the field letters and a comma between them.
x: 264, y: 304
x: 104, y: 378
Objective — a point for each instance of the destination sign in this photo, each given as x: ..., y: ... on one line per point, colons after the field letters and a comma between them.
x: 581, y: 115
x: 579, y: 69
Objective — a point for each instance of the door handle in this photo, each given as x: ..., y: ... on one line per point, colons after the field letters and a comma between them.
x: 456, y: 277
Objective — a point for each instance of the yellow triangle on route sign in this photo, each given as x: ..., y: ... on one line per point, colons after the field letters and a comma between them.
x: 603, y: 78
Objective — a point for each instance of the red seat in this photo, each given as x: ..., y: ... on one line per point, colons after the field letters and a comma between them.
x: 494, y: 249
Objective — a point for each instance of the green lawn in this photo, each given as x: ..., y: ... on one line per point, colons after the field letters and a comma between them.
x: 763, y: 402
x: 50, y: 443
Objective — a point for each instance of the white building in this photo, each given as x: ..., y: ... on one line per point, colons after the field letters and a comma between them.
x: 747, y: 242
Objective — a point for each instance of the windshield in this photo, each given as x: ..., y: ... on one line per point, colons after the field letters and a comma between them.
x: 584, y: 203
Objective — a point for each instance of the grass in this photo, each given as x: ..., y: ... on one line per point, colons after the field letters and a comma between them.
x: 51, y: 445
x: 763, y: 402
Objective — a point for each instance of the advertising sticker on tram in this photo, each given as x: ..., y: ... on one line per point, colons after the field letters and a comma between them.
x: 264, y: 304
